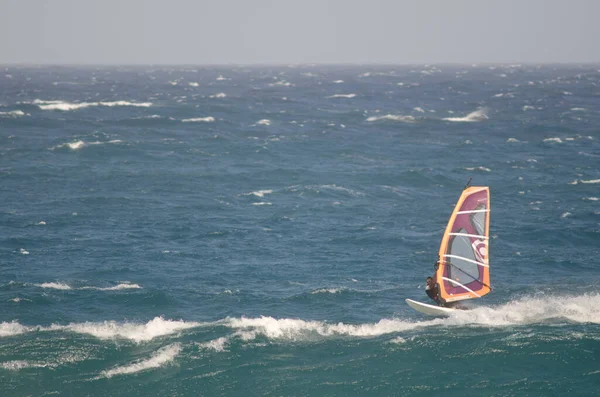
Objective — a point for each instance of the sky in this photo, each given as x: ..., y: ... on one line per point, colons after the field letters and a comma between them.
x: 209, y: 32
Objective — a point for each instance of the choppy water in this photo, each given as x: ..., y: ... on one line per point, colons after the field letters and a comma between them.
x: 195, y: 231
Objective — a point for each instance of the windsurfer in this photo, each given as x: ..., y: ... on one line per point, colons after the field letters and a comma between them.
x: 432, y: 290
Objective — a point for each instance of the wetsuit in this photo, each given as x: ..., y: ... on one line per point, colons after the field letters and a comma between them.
x: 433, y: 292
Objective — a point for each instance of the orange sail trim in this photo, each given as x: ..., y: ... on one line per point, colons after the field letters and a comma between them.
x: 464, y: 267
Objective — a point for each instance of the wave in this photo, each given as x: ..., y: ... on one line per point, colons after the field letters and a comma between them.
x: 138, y: 333
x: 259, y: 193
x: 14, y: 328
x: 12, y: 113
x: 342, y: 96
x: 297, y: 329
x: 590, y: 181
x: 63, y: 286
x: 263, y: 122
x: 208, y: 119
x: 81, y: 144
x: 67, y: 106
x: 480, y: 168
x: 328, y: 291
x: 115, y: 288
x: 219, y: 95
x: 478, y: 115
x: 217, y: 345
x: 557, y: 140
x: 392, y: 117
x: 162, y: 357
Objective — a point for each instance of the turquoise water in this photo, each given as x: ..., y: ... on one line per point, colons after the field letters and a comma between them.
x: 193, y: 231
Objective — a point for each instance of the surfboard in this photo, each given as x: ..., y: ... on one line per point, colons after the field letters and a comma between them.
x: 463, y: 267
x: 429, y: 309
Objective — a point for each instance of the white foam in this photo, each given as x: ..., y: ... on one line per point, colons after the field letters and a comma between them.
x: 61, y: 286
x: 296, y: 329
x: 557, y: 140
x: 480, y: 168
x: 404, y: 119
x: 590, y: 181
x: 578, y: 109
x: 162, y: 357
x: 512, y: 140
x: 115, y: 288
x: 338, y: 82
x: 566, y: 214
x: 327, y: 291
x: 67, y: 106
x: 421, y: 110
x: 342, y: 96
x: 24, y: 251
x: 217, y: 345
x: 281, y: 83
x: 531, y: 310
x: 17, y: 365
x: 12, y: 113
x: 478, y: 115
x: 135, y: 332
x: 527, y: 107
x: 193, y: 84
x: 259, y: 193
x: 81, y: 144
x: 262, y: 203
x: 592, y: 198
x: 264, y: 122
x: 13, y: 328
x: 41, y: 223
x: 219, y: 95
x: 208, y: 119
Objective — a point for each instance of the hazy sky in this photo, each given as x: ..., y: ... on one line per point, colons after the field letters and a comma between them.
x: 293, y: 31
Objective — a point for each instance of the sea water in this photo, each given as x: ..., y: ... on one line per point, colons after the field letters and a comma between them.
x: 224, y: 231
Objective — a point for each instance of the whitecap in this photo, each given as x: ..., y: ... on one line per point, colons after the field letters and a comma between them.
x: 264, y: 122
x: 67, y: 106
x: 24, y: 251
x: 193, y: 84
x: 219, y: 95
x: 338, y: 81
x: 217, y: 345
x: 557, y: 140
x: 12, y: 113
x: 61, y: 286
x: 208, y: 119
x: 121, y: 286
x: 480, y: 168
x: 135, y: 332
x: 259, y: 193
x: 342, y: 96
x: 478, y: 115
x: 327, y: 291
x: 162, y: 357
x: 403, y: 119
x: 262, y: 203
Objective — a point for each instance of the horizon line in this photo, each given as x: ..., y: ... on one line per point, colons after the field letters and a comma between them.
x: 299, y: 64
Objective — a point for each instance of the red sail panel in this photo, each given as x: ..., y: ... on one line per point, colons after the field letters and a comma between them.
x: 464, y: 271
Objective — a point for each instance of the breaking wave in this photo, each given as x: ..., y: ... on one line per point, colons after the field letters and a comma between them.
x: 66, y: 106
x: 160, y: 358
x: 392, y: 117
x: 478, y: 115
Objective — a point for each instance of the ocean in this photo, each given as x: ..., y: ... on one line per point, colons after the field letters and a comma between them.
x: 255, y: 230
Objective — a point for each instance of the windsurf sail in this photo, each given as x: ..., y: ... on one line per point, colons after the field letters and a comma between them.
x: 464, y: 267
